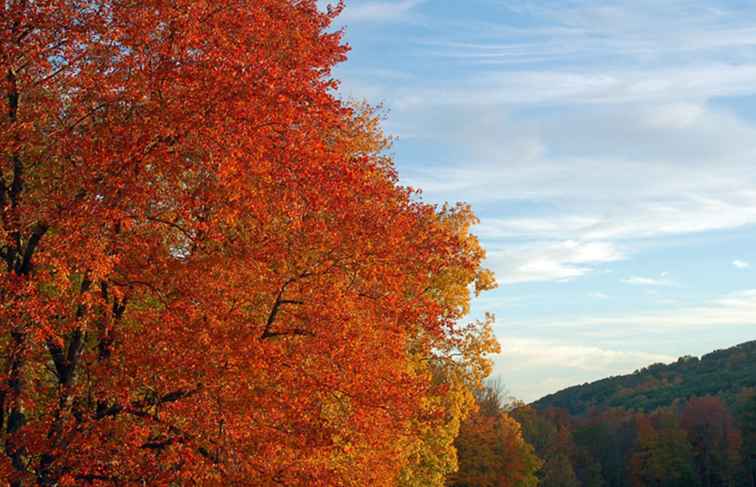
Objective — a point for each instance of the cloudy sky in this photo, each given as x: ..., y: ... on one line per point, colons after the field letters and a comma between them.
x: 609, y: 148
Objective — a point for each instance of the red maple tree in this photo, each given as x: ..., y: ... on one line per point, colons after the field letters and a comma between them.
x: 205, y: 282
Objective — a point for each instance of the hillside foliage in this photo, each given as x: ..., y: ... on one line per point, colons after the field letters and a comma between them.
x: 722, y: 373
x: 688, y: 424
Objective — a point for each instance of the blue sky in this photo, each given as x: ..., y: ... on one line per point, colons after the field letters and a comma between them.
x: 609, y: 148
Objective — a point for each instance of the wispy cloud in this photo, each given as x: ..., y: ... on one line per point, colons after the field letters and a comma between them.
x: 589, y: 135
x: 741, y: 264
x: 562, y: 364
x: 560, y: 261
x: 531, y: 351
x: 639, y: 174
x: 648, y: 281
x: 580, y: 348
x: 626, y: 31
x: 588, y: 86
x: 734, y: 309
x: 377, y: 11
x: 677, y: 215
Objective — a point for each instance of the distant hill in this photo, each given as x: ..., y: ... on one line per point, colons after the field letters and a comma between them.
x: 722, y: 373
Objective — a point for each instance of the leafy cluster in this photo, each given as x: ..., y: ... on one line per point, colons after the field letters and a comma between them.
x: 492, y: 450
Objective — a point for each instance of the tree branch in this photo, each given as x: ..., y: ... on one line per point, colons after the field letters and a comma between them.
x: 268, y: 331
x: 293, y: 332
x: 24, y: 266
x: 138, y: 407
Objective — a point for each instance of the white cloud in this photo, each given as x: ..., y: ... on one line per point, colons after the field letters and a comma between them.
x: 539, y: 352
x: 648, y: 281
x: 639, y: 31
x: 677, y: 85
x: 598, y: 295
x: 560, y: 364
x: 735, y: 309
x: 680, y: 215
x: 535, y: 227
x: 741, y: 264
x: 595, y: 155
x: 576, y: 349
x: 597, y: 176
x: 377, y: 11
x: 619, y: 147
x: 677, y: 115
x: 608, y: 175
x: 560, y: 261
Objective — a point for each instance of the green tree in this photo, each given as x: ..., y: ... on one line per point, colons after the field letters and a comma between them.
x: 748, y: 427
x: 663, y: 456
x: 550, y: 435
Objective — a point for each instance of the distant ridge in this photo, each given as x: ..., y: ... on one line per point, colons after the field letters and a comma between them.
x: 721, y: 373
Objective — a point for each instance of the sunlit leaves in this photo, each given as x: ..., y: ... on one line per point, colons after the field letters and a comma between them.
x: 211, y: 274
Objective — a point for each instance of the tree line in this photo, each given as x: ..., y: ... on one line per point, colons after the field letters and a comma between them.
x: 698, y: 442
x: 724, y: 373
x: 695, y: 442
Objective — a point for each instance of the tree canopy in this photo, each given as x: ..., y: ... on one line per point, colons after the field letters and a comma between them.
x: 211, y: 273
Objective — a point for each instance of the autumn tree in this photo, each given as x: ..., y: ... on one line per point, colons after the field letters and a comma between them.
x: 459, y: 358
x: 663, y: 456
x: 749, y: 434
x: 492, y: 450
x: 715, y: 439
x: 454, y: 374
x: 550, y: 433
x: 606, y: 438
x: 745, y: 414
x: 208, y: 277
x: 587, y: 468
x: 686, y: 442
x: 455, y: 361
x: 559, y: 469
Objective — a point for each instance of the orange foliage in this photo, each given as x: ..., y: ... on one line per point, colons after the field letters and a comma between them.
x: 493, y: 453
x: 715, y: 439
x: 207, y: 278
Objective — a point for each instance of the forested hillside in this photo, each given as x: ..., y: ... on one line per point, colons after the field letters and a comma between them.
x: 723, y: 373
x: 690, y: 423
